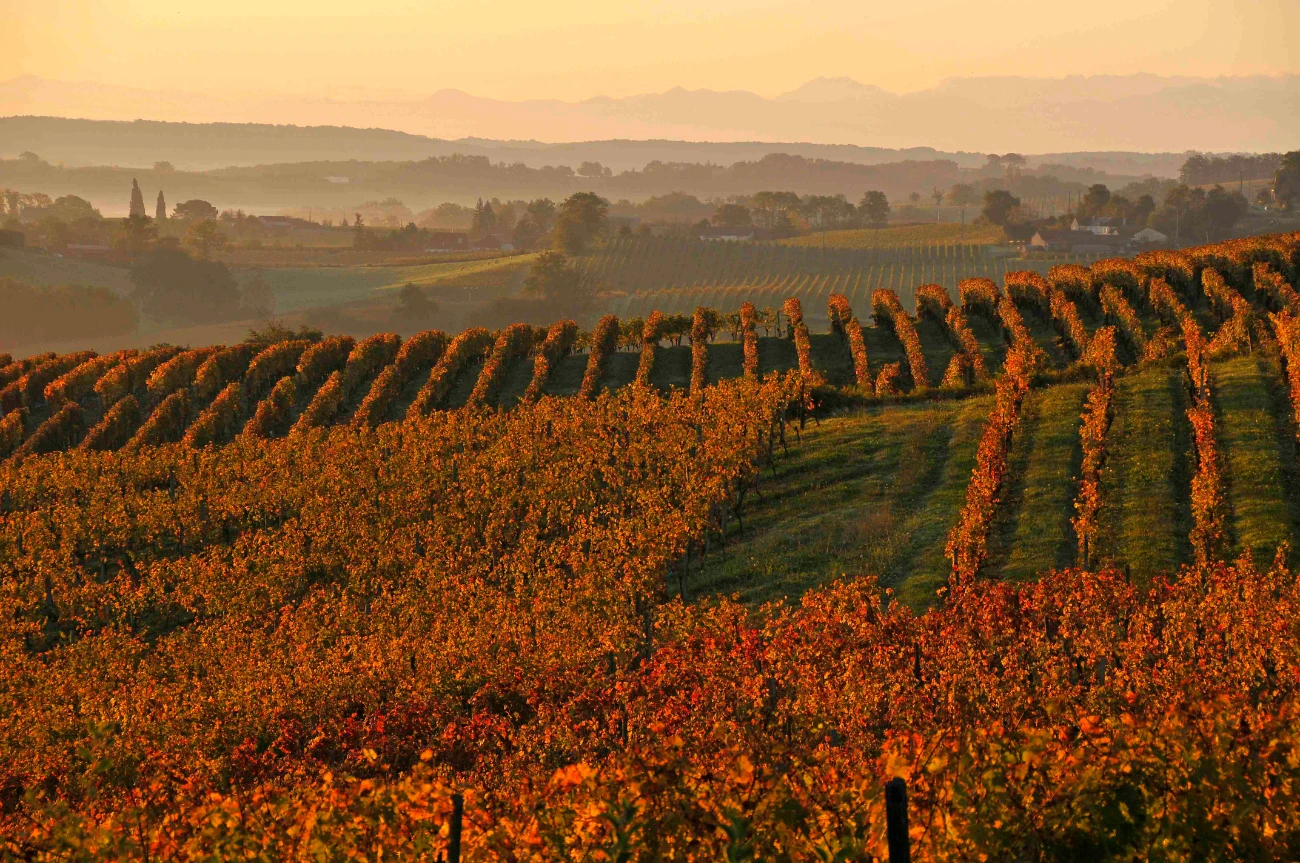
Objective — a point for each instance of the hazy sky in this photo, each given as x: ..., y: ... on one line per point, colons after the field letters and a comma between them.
x: 573, y: 49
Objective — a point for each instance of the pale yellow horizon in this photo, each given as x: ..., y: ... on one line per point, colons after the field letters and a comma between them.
x: 573, y: 50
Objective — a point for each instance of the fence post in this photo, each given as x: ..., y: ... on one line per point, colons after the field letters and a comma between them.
x: 900, y: 845
x: 453, y: 836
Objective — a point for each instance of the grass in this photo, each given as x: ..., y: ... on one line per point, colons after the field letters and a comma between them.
x: 1253, y: 442
x: 47, y: 270
x: 297, y: 288
x: 1032, y: 532
x: 870, y: 492
x: 1146, y: 481
x: 903, y: 236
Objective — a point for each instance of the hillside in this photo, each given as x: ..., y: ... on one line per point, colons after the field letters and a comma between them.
x: 681, y: 588
x: 637, y: 275
x: 1100, y: 113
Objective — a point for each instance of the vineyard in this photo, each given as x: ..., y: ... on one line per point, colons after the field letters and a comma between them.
x: 641, y: 274
x: 690, y: 586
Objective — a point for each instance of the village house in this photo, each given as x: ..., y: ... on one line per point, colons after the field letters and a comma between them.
x: 1077, y: 242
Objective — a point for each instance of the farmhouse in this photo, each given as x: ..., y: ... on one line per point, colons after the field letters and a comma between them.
x: 1077, y: 242
x: 1148, y: 236
x: 1102, y: 225
x: 447, y: 241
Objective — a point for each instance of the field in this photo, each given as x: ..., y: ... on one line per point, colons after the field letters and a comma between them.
x: 639, y: 274
x: 673, y: 594
x: 298, y: 288
x: 902, y: 236
x: 50, y: 270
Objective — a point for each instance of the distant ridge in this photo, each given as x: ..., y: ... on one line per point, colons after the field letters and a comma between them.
x: 1141, y: 113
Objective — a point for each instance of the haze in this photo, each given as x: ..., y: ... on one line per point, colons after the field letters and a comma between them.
x: 571, y: 50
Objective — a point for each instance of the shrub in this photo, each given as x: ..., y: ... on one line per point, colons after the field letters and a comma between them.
x: 117, y: 426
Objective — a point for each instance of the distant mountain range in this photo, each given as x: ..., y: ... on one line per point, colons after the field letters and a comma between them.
x: 960, y: 118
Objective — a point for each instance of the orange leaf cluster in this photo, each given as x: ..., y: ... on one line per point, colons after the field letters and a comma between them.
x: 933, y: 302
x: 1118, y: 311
x: 1092, y: 435
x: 219, y: 420
x: 270, y: 365
x: 701, y: 332
x: 322, y: 359
x: 463, y: 349
x: 1123, y: 275
x: 78, y: 383
x: 749, y: 334
x: 555, y: 347
x: 115, y: 429
x: 1286, y: 328
x: 604, y: 341
x: 846, y: 323
x: 651, y: 335
x: 889, y: 381
x: 889, y: 313
x: 967, y: 544
x: 1065, y: 317
x: 1208, y: 497
x: 1270, y: 285
x: 1074, y: 281
x: 130, y: 376
x: 273, y: 412
x: 514, y: 341
x: 980, y: 296
x: 29, y: 388
x: 417, y: 354
x: 176, y: 373
x: 223, y: 366
x: 1236, y: 316
x: 1029, y: 289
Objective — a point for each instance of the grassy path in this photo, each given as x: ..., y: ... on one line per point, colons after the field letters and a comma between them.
x: 1032, y: 531
x: 566, y: 378
x: 1252, y: 444
x: 1146, y: 484
x: 873, y: 492
x: 923, y: 567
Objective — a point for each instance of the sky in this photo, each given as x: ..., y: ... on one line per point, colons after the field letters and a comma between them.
x: 574, y: 49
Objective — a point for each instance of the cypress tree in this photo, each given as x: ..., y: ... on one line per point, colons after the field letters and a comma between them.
x: 137, y: 200
x: 160, y: 212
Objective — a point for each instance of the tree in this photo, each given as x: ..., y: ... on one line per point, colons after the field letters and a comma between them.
x: 874, y: 209
x: 1013, y: 163
x: 1094, y: 201
x: 1223, y: 209
x: 769, y: 208
x: 137, y: 235
x: 256, y: 297
x: 963, y: 195
x: 593, y: 170
x: 582, y: 219
x: 914, y: 198
x: 194, y: 210
x: 160, y: 210
x: 174, y: 288
x: 552, y: 277
x: 137, y: 201
x: 1286, y: 182
x: 998, y: 206
x: 415, y: 309
x: 164, y: 167
x: 70, y: 208
x: 203, y: 238
x: 485, y: 218
x: 733, y: 216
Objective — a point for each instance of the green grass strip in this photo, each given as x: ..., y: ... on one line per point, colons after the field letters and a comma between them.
x: 1251, y: 444
x: 1146, y: 484
x: 1033, y: 532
